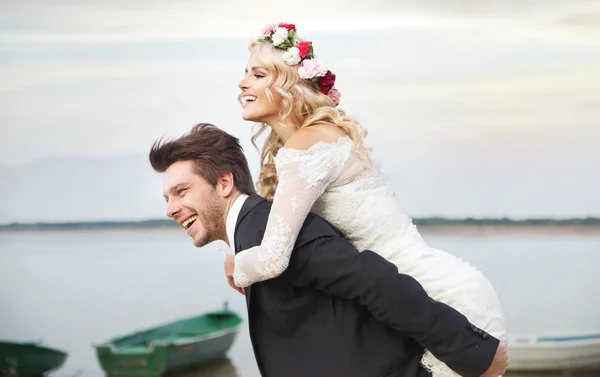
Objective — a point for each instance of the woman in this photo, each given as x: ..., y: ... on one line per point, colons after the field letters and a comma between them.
x: 314, y: 158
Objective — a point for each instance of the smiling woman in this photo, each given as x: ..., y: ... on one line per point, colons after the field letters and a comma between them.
x: 314, y: 160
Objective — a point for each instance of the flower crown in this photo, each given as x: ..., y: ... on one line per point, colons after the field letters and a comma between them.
x: 298, y: 51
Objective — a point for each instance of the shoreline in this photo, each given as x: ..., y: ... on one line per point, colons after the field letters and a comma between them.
x: 499, y: 230
x: 476, y: 230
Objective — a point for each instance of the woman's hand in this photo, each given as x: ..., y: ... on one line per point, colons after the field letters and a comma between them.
x: 229, y: 266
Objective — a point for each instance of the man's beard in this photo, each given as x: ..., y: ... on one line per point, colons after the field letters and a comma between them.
x: 212, y: 219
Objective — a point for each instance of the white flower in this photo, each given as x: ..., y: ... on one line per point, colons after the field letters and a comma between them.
x: 297, y: 39
x: 292, y: 56
x: 280, y: 36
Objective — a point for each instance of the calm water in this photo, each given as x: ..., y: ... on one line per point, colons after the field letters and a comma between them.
x: 76, y: 289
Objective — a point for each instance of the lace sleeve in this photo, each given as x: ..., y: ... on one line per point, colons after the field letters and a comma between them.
x: 303, y: 176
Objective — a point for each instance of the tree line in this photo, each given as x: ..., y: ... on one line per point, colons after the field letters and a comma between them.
x: 424, y: 221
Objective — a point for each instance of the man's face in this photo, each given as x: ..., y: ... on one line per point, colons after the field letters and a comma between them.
x: 194, y: 203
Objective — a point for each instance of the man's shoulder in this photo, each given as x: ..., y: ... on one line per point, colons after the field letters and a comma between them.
x: 314, y: 226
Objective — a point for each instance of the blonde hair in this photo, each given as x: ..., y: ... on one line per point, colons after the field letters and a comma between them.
x: 302, y: 105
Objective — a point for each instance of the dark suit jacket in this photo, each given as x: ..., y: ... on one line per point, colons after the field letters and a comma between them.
x: 336, y: 311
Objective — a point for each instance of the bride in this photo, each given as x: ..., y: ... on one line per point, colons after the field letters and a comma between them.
x: 314, y: 159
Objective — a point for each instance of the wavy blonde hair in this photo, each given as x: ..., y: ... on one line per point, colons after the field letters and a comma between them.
x: 302, y: 105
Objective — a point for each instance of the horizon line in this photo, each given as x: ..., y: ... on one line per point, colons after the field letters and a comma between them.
x: 424, y: 219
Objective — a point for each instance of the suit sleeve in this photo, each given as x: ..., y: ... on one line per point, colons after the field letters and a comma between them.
x: 333, y: 265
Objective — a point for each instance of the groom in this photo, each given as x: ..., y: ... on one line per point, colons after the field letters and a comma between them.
x: 335, y: 311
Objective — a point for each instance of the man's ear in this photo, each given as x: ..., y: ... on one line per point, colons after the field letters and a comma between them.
x: 225, y: 184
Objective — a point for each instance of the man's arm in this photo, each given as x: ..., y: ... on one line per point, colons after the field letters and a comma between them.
x: 333, y: 265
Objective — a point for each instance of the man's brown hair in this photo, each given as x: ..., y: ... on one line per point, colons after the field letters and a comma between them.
x: 214, y: 151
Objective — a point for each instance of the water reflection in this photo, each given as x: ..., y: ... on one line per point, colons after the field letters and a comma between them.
x: 557, y: 373
x: 218, y: 368
x: 221, y: 368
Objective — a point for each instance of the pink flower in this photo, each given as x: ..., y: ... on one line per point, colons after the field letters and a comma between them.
x: 312, y: 68
x: 335, y: 96
x: 267, y: 30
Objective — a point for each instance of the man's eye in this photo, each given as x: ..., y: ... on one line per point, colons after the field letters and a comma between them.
x: 180, y: 191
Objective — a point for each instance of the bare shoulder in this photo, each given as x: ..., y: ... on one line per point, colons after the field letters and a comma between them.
x: 309, y: 136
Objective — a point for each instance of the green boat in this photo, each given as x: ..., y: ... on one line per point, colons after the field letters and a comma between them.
x: 170, y: 347
x: 28, y: 359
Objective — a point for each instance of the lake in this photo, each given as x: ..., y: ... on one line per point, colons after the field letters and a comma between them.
x: 74, y: 289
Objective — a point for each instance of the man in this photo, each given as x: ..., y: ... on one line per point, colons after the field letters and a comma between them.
x: 335, y: 311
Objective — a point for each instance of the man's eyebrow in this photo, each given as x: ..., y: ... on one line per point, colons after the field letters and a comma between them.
x: 177, y: 186
x: 174, y: 188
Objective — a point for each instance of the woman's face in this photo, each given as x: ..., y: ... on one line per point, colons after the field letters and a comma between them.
x: 256, y: 105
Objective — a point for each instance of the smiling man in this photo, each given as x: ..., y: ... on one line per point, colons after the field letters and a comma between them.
x: 335, y: 311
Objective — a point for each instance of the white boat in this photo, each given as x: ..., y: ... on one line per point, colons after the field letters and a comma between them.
x: 553, y: 352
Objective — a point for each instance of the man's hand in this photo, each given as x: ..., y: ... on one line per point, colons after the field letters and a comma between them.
x: 500, y: 362
x: 229, y: 266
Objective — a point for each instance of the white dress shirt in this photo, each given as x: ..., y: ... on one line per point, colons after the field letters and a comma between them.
x: 232, y: 218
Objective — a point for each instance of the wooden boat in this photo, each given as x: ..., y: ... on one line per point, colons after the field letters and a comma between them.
x: 26, y: 359
x: 170, y: 347
x: 554, y: 352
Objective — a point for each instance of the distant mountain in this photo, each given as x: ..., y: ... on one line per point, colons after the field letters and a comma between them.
x: 449, y: 185
x: 81, y: 189
x: 431, y: 221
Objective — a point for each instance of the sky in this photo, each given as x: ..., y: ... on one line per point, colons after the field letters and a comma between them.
x: 482, y: 108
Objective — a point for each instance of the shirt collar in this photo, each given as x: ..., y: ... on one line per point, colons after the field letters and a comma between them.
x: 232, y: 217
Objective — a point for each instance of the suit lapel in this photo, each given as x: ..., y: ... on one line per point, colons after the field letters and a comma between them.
x: 249, y: 204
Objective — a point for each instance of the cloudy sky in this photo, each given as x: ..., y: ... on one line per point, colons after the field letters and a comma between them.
x: 473, y: 107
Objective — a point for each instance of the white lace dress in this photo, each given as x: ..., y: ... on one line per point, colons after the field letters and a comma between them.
x: 331, y: 180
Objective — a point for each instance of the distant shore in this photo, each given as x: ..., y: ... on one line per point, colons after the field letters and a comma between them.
x: 498, y: 230
x: 425, y: 230
x: 431, y: 226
